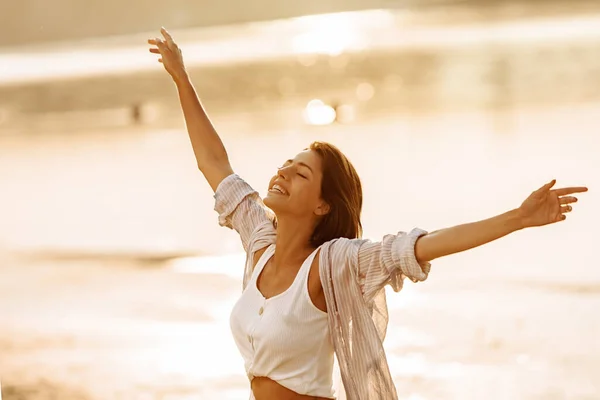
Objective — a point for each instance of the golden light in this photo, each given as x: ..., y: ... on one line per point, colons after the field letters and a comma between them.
x: 365, y: 91
x: 327, y: 34
x: 319, y: 113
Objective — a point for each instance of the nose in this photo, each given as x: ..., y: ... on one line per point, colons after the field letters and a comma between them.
x: 283, y: 172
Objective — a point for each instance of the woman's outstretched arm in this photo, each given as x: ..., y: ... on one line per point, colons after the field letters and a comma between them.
x: 463, y: 237
x: 542, y: 207
x: 210, y: 153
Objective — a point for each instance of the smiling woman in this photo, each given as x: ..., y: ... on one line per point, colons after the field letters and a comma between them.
x: 321, y: 181
x: 313, y: 289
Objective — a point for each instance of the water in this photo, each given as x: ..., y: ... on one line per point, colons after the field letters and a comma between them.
x: 139, y: 191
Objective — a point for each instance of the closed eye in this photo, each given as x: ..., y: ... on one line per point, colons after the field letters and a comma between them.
x: 303, y: 176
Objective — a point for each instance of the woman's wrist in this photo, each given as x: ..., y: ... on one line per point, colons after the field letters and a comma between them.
x: 181, y: 79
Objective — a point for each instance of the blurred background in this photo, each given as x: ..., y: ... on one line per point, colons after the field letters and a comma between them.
x: 116, y: 281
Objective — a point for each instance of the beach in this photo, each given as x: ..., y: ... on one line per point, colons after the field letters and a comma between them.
x: 145, y: 315
x: 116, y: 281
x: 128, y: 330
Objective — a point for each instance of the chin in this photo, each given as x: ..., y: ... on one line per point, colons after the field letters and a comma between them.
x: 275, y: 202
x: 270, y: 201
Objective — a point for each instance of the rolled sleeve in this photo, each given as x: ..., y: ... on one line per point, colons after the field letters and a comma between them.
x: 389, y: 262
x: 228, y: 196
x: 399, y: 256
x: 240, y: 207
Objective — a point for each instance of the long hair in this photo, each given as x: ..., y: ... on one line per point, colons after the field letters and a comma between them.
x: 342, y: 191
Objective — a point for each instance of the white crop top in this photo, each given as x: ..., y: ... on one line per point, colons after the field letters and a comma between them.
x: 285, y: 337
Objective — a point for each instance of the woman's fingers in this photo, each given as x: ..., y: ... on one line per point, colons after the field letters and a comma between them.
x: 567, y: 200
x: 570, y: 190
x: 157, y: 42
x: 547, y: 186
x: 565, y: 209
x: 163, y: 47
x: 160, y: 44
x: 163, y: 44
x: 166, y: 35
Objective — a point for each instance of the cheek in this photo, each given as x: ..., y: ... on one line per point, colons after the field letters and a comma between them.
x: 308, y: 193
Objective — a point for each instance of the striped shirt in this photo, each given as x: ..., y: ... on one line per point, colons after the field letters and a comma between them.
x: 353, y: 273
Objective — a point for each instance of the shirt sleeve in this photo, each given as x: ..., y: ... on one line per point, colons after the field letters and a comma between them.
x: 240, y: 207
x: 388, y: 262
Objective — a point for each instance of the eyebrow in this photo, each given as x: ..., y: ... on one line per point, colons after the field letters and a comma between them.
x: 301, y: 164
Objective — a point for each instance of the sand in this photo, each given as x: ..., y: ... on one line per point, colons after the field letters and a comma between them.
x: 85, y: 329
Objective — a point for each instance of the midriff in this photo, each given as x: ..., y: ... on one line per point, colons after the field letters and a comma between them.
x: 267, y: 389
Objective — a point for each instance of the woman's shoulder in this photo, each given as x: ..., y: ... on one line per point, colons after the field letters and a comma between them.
x: 258, y: 254
x: 341, y: 248
x: 345, y: 243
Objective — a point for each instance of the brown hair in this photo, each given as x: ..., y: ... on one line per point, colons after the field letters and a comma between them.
x: 342, y: 191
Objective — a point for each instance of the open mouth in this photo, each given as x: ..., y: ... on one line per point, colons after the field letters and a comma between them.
x: 278, y: 189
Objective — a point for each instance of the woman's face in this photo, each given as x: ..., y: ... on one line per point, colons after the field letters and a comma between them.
x: 296, y: 188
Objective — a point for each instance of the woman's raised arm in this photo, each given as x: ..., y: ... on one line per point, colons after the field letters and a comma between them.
x: 239, y: 205
x: 211, y: 156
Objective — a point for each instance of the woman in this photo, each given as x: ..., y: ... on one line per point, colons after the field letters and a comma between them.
x: 312, y: 288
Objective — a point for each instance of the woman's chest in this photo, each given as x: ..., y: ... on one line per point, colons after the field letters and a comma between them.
x: 280, y: 323
x: 272, y: 285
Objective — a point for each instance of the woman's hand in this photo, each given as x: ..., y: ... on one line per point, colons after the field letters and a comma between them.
x: 170, y: 55
x: 547, y: 206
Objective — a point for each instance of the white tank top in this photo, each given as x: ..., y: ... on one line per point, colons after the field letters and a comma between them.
x: 285, y: 337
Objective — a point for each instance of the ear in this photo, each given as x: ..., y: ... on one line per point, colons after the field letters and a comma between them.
x: 322, y: 209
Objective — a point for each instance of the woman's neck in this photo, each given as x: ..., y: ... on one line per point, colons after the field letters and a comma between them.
x: 292, y: 244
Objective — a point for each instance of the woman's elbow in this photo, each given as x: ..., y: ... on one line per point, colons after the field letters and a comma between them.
x: 424, y: 251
